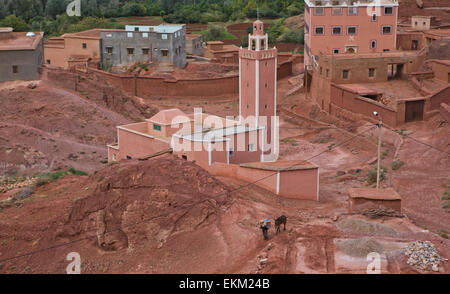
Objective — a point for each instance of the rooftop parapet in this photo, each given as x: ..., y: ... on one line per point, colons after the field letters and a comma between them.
x: 345, y: 3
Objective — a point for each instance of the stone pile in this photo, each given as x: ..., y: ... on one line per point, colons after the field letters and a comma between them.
x: 423, y: 255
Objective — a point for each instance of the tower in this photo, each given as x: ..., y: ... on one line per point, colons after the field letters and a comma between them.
x: 258, y: 80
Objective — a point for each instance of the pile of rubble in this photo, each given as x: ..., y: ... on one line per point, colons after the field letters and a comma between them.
x: 423, y: 255
x: 7, y: 183
x: 374, y: 213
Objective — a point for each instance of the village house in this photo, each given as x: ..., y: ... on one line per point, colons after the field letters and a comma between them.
x: 194, y: 44
x: 244, y: 147
x: 21, y: 55
x: 162, y: 43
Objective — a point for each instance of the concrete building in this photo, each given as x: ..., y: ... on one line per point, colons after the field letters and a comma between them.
x: 59, y: 51
x: 234, y: 147
x: 21, y: 55
x: 163, y: 43
x: 194, y: 44
x: 339, y: 26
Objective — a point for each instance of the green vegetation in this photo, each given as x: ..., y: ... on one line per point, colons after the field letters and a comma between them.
x: 216, y: 33
x: 372, y: 175
x: 50, y: 177
x: 396, y: 164
x: 49, y: 15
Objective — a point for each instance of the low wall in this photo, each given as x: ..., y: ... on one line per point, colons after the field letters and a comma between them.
x: 152, y: 86
x: 440, y: 97
x: 149, y: 86
x: 351, y: 101
x: 361, y: 204
x: 298, y: 184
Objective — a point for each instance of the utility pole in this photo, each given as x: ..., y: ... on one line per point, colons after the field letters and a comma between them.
x: 380, y: 126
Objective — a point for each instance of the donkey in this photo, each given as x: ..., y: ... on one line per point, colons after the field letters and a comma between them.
x: 281, y: 220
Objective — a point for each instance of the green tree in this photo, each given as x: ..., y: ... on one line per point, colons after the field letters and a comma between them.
x: 18, y: 24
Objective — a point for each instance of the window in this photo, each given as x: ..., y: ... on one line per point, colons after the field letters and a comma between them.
x: 165, y: 52
x: 144, y: 35
x: 319, y: 30
x: 387, y: 30
x: 373, y: 44
x: 318, y: 10
x: 164, y: 36
x: 130, y: 35
x: 388, y: 10
x: 306, y: 28
x: 157, y: 127
x: 336, y: 51
x: 415, y: 23
x: 251, y: 147
x: 345, y: 73
x: 385, y: 50
x: 108, y: 35
x: 145, y: 51
x: 265, y: 106
x: 374, y: 17
x: 266, y: 85
x: 130, y: 51
x: 351, y: 30
x: 84, y: 45
x: 128, y: 157
x: 371, y: 72
x: 352, y: 10
x: 15, y: 69
x: 136, y: 29
x: 48, y: 61
x: 230, y: 151
x: 109, y: 50
x: 320, y: 71
x: 336, y: 11
x: 327, y: 72
x: 337, y: 30
x: 114, y: 157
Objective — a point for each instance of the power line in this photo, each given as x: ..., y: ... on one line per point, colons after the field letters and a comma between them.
x: 146, y: 220
x: 423, y: 143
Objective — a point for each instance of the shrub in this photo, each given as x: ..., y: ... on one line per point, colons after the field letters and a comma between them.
x: 372, y: 175
x: 396, y: 164
x: 446, y: 205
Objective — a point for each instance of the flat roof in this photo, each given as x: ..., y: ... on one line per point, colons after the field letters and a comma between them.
x: 13, y: 41
x: 217, y: 135
x: 192, y: 36
x: 282, y: 165
x: 162, y: 28
x: 6, y: 29
x: 442, y: 61
x: 438, y: 32
x: 90, y: 34
x: 374, y: 194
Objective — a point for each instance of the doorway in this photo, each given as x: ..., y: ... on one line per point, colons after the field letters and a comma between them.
x: 414, y: 45
x: 395, y: 71
x: 414, y: 110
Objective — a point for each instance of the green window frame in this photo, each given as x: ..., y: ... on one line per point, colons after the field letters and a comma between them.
x: 157, y: 127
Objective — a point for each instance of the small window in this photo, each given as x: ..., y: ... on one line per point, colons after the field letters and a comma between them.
x: 15, y: 69
x: 165, y: 52
x: 84, y: 45
x: 337, y: 30
x: 345, y: 73
x: 145, y: 51
x: 374, y: 17
x: 388, y: 10
x: 144, y: 35
x: 352, y: 10
x: 336, y: 11
x: 164, y: 36
x: 114, y: 157
x: 336, y: 51
x: 327, y: 72
x: 265, y: 106
x: 373, y: 44
x: 128, y: 157
x: 130, y: 35
x: 385, y: 50
x: 157, y: 127
x: 387, y: 30
x: 231, y: 151
x: 424, y: 23
x: 320, y: 71
x: 251, y: 147
x: 371, y: 72
x: 130, y: 51
x: 415, y: 23
x: 319, y: 30
x: 351, y: 30
x: 266, y: 85
x: 136, y: 29
x: 48, y: 61
x: 318, y: 10
x: 109, y: 50
x: 108, y: 35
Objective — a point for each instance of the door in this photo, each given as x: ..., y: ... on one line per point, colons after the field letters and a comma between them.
x: 414, y: 45
x: 414, y: 110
